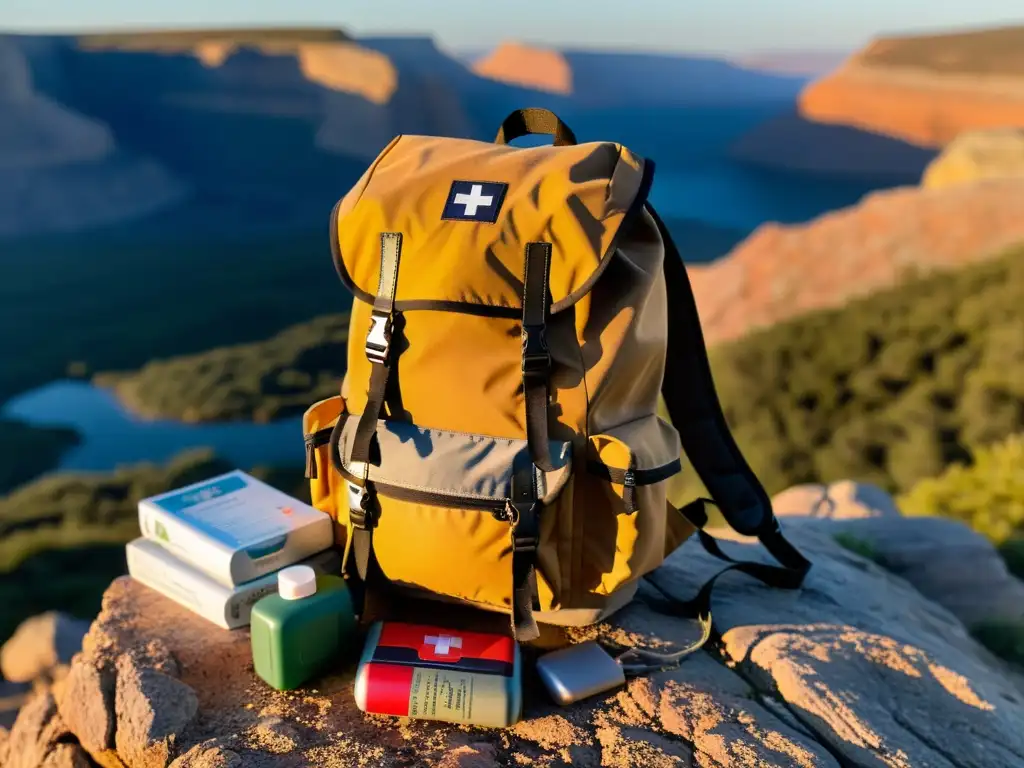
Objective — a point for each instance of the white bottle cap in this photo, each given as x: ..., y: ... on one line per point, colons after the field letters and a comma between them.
x: 296, y: 581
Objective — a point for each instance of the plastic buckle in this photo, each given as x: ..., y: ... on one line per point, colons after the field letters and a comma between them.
x: 378, y: 340
x: 360, y: 513
x: 536, y: 357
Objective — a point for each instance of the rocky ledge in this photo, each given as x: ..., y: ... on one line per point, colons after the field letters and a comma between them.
x: 856, y: 669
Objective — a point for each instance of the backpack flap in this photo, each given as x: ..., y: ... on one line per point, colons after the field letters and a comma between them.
x: 468, y: 209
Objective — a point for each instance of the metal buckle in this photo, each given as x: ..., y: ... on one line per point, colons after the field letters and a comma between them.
x: 536, y: 357
x: 378, y: 340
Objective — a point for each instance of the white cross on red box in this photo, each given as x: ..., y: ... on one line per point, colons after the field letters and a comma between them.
x: 443, y: 643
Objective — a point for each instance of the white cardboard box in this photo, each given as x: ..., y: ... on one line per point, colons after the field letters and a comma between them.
x: 234, y: 527
x: 154, y: 566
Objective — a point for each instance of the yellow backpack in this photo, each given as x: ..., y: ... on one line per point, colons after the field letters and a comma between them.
x: 522, y: 341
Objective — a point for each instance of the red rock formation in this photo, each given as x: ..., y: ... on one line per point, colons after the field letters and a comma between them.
x: 926, y: 90
x: 783, y: 271
x: 524, y: 65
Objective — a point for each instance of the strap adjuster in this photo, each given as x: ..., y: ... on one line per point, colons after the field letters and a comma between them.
x: 527, y: 543
x: 378, y: 339
x: 536, y: 356
x: 360, y: 510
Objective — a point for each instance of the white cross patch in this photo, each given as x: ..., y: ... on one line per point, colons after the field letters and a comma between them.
x: 474, y: 201
x: 443, y: 643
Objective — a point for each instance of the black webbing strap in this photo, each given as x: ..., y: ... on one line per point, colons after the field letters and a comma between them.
x: 788, y: 576
x: 525, y: 539
x: 536, y: 355
x: 534, y: 120
x: 378, y: 345
x: 362, y: 518
x: 692, y: 402
x: 794, y: 565
x: 362, y: 515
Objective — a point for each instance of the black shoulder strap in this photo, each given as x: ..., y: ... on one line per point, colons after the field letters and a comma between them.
x: 689, y: 392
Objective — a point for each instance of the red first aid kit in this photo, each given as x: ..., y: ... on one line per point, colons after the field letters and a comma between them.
x: 432, y: 673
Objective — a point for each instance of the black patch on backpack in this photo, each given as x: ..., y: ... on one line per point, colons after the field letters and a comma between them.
x: 474, y: 201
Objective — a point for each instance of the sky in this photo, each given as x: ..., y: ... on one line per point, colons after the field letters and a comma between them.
x: 729, y: 26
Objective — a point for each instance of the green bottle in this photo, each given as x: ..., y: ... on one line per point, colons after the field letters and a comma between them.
x: 301, y: 630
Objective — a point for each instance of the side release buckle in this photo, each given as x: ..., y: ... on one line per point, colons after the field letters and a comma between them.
x: 378, y: 339
x: 536, y: 355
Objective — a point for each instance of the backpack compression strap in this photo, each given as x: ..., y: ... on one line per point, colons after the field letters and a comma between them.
x: 362, y: 514
x: 536, y: 366
x: 689, y: 392
x: 536, y: 355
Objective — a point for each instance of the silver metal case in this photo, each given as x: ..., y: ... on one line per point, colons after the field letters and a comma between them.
x: 578, y: 671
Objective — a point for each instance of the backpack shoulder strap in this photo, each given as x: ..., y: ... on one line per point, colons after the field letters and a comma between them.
x: 689, y: 392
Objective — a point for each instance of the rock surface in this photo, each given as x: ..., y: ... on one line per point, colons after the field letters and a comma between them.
x: 842, y: 500
x: 946, y: 562
x: 855, y: 669
x: 40, y: 645
x: 978, y: 155
x: 783, y: 271
x: 528, y: 66
x: 925, y: 89
x: 40, y: 739
x: 943, y: 559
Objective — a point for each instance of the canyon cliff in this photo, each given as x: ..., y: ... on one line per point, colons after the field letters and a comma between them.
x: 780, y: 272
x: 107, y: 130
x: 926, y: 89
x: 624, y: 79
x: 888, y: 109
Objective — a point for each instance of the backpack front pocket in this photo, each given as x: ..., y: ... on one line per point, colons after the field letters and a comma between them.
x: 444, y: 519
x: 622, y: 498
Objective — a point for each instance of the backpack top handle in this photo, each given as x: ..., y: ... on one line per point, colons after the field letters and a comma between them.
x: 537, y: 121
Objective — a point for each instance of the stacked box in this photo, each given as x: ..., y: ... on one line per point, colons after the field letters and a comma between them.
x: 216, y: 546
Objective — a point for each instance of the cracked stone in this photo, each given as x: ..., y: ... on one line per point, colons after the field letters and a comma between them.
x: 35, y: 732
x: 152, y: 709
x: 87, y: 705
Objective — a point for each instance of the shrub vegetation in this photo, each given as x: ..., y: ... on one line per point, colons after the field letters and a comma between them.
x: 271, y: 379
x: 890, y: 389
x: 987, y: 493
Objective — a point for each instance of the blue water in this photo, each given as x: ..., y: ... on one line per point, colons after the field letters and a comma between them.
x: 110, y: 436
x: 731, y: 196
x: 709, y: 202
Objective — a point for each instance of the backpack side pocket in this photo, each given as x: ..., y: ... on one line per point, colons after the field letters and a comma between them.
x: 624, y: 494
x: 326, y: 488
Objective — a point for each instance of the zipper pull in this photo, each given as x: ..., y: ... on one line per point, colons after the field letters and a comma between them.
x: 507, y: 515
